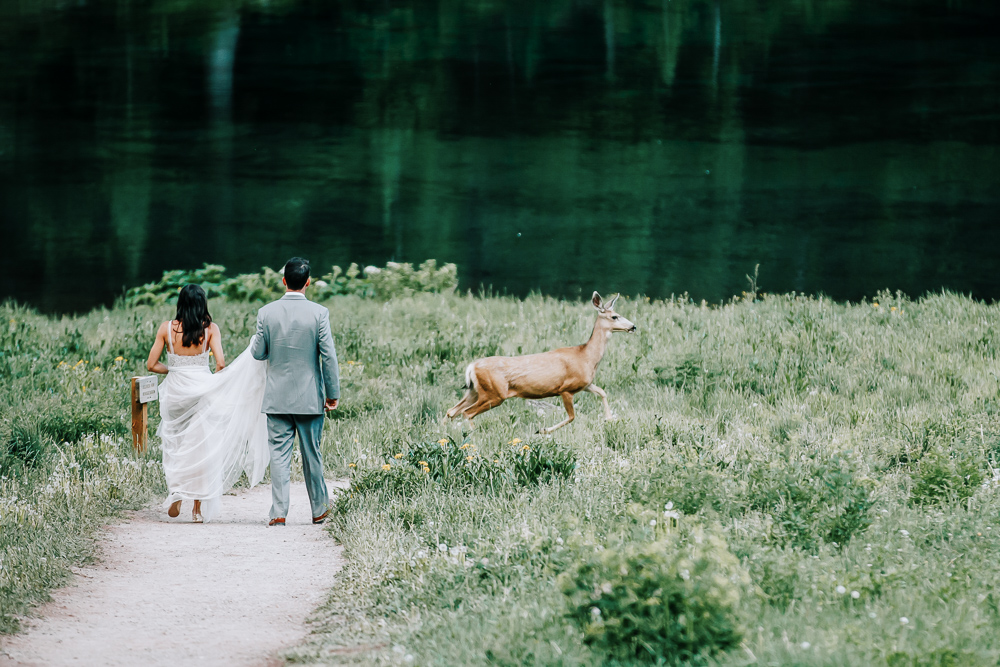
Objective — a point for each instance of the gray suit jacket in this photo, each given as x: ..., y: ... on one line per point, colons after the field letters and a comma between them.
x: 293, y: 335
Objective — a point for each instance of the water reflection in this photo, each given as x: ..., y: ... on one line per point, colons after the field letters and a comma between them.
x: 561, y: 146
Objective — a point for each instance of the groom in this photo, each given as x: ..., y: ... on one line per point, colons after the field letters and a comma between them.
x: 293, y: 335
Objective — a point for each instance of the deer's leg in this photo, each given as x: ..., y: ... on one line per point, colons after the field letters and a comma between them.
x: 479, y: 407
x: 467, y: 401
x: 571, y: 415
x: 594, y: 389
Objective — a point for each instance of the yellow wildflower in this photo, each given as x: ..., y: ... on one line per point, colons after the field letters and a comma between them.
x: 119, y: 358
x: 893, y: 309
x: 515, y: 441
x: 351, y: 465
x: 465, y: 446
x: 398, y: 456
x: 875, y: 304
x: 443, y: 441
x: 423, y: 463
x: 386, y: 466
x: 525, y: 449
x: 469, y: 458
x: 496, y: 460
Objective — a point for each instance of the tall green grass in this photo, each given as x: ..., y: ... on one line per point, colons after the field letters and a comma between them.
x: 791, y: 480
x: 838, y: 458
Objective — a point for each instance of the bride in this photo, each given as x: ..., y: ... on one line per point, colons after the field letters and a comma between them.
x: 211, y: 428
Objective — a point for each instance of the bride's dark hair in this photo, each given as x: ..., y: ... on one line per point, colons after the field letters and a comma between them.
x: 192, y: 313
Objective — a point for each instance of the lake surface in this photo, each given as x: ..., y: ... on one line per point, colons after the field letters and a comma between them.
x: 654, y: 147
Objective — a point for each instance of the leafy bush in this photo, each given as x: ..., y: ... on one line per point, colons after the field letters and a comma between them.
x: 812, y: 497
x: 392, y: 281
x: 676, y: 598
x: 212, y: 277
x: 942, y: 478
x: 402, y: 279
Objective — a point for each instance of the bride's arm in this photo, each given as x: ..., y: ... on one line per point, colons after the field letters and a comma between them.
x: 153, y: 362
x: 215, y: 343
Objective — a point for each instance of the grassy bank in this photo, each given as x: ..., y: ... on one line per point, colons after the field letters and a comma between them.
x: 794, y: 481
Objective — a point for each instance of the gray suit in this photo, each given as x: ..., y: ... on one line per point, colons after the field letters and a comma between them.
x: 293, y: 335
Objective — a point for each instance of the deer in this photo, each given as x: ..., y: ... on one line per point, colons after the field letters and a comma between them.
x: 562, y: 372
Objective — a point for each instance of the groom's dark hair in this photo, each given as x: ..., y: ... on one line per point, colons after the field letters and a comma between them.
x: 296, y: 273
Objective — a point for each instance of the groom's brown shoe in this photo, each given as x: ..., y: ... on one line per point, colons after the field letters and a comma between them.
x: 280, y: 521
x: 321, y: 518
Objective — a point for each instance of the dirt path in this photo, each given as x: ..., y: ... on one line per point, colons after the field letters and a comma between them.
x: 169, y: 592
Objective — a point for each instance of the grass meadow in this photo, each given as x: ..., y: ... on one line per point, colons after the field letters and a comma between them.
x: 790, y: 480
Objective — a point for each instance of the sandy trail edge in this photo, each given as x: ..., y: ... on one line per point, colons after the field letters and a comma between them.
x: 169, y: 592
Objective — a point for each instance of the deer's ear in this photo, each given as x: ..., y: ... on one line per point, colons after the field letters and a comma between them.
x: 597, y: 301
x: 611, y: 306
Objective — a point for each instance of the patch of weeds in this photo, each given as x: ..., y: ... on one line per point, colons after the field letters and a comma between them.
x: 23, y: 448
x: 622, y: 434
x: 813, y: 497
x: 454, y: 465
x: 691, y: 485
x: 674, y: 599
x: 683, y: 374
x: 945, y: 477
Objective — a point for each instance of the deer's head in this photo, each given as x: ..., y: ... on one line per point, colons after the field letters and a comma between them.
x: 606, y: 312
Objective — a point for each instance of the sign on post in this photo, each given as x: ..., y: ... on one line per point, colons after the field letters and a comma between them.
x: 144, y: 390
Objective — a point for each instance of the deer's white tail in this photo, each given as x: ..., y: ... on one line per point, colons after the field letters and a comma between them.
x: 470, y: 376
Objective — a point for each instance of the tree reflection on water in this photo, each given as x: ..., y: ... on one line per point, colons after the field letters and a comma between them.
x: 560, y: 146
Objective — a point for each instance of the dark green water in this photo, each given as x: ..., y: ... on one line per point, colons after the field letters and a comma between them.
x: 562, y: 146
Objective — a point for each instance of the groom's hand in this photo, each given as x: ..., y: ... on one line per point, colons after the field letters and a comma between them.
x: 331, y: 404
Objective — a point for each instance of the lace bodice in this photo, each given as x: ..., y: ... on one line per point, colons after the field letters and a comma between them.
x: 184, y: 360
x: 181, y: 361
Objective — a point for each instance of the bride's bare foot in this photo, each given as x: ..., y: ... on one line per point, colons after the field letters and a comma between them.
x: 175, y: 509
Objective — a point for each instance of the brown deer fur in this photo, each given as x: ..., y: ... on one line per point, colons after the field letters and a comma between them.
x: 562, y: 372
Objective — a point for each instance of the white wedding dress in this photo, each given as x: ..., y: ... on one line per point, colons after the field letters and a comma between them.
x: 211, y: 428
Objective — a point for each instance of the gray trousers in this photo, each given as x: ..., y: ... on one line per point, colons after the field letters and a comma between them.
x: 281, y: 430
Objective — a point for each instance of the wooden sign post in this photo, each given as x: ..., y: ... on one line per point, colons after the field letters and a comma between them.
x: 144, y: 390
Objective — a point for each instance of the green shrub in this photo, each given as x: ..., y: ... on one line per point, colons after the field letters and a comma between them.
x: 212, y: 277
x: 813, y: 497
x: 382, y: 283
x: 941, y: 478
x: 676, y: 598
x: 402, y: 279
